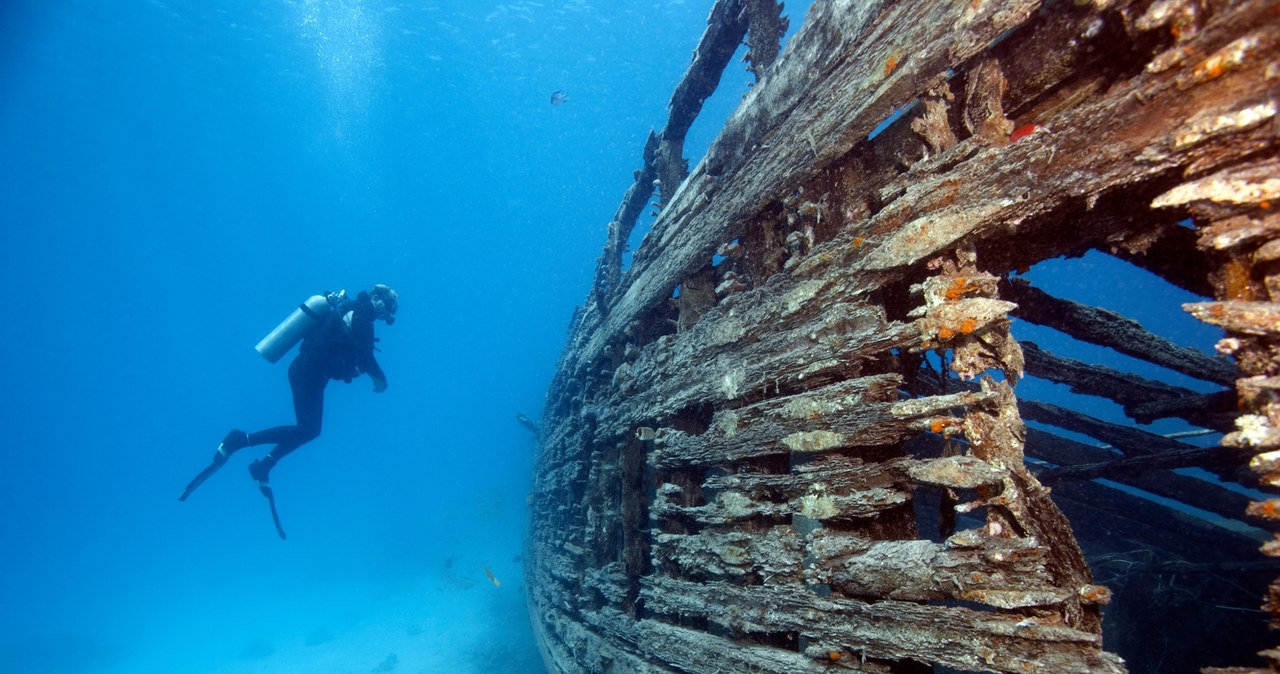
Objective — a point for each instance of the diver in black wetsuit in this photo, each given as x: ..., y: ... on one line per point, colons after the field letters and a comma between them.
x: 340, y: 346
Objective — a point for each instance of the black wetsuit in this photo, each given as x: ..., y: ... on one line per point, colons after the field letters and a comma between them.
x: 335, y: 350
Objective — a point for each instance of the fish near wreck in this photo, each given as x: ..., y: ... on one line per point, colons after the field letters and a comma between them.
x: 742, y: 457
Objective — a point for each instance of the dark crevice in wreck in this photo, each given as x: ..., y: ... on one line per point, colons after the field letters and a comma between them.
x: 802, y: 431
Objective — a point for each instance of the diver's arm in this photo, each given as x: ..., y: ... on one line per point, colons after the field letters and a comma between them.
x: 368, y: 363
x: 375, y: 373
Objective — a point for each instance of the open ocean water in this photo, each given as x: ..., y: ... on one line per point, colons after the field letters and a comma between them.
x: 176, y: 176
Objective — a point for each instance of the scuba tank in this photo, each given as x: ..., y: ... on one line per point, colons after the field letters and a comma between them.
x: 291, y: 331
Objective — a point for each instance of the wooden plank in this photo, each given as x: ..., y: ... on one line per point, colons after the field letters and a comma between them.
x: 697, y: 652
x: 726, y: 27
x: 741, y: 353
x: 856, y: 412
x: 570, y: 645
x: 815, y: 502
x: 773, y: 555
x: 831, y: 109
x: 1135, y: 394
x: 1107, y: 328
x: 887, y: 629
x: 1127, y: 439
x: 999, y: 571
x: 1165, y: 483
x: 1154, y: 524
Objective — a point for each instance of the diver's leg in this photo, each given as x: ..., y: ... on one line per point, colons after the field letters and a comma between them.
x: 308, y: 384
x: 234, y: 441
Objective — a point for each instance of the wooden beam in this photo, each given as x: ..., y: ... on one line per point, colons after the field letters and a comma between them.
x: 1144, y: 400
x: 887, y: 629
x: 1128, y: 439
x: 1107, y: 328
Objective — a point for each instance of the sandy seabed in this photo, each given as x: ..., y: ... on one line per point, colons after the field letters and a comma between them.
x: 448, y: 628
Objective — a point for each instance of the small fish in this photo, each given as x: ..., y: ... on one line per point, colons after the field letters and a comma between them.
x: 558, y: 98
x: 492, y: 578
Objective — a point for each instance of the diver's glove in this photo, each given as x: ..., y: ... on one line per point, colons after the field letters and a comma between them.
x: 379, y: 383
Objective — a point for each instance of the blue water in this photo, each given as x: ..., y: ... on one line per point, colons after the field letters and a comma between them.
x: 176, y: 176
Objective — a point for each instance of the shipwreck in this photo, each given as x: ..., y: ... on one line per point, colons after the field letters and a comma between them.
x: 786, y: 434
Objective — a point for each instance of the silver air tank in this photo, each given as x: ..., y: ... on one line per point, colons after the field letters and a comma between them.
x: 294, y: 328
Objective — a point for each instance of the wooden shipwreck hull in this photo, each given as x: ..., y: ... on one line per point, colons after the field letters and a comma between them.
x: 750, y: 462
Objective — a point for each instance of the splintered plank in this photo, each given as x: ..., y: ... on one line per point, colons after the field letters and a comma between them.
x: 1136, y: 394
x: 876, y: 57
x: 851, y: 414
x: 830, y: 489
x: 694, y: 651
x: 1141, y: 130
x: 973, y: 566
x: 1107, y: 328
x: 731, y: 357
x: 776, y: 553
x: 1132, y: 441
x: 856, y: 412
x: 725, y: 31
x: 888, y: 629
x: 572, y: 642
x: 1249, y: 318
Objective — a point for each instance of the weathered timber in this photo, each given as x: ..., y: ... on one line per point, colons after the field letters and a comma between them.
x: 797, y: 101
x: 1211, y: 410
x: 1144, y: 400
x: 1107, y: 328
x: 1131, y: 441
x: 887, y: 629
x: 725, y: 29
x: 736, y: 478
x: 1072, y: 455
x: 850, y: 413
x: 698, y: 652
x: 740, y: 359
x: 1186, y: 458
x: 777, y: 554
x: 1136, y: 518
x: 767, y: 25
x: 1000, y: 572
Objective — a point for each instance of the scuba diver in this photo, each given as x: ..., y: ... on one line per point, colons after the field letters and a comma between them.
x: 337, y: 343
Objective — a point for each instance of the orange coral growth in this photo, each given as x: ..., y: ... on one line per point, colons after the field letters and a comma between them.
x: 1211, y: 69
x: 968, y: 325
x: 892, y: 63
x: 946, y: 333
x: 1269, y: 509
x: 936, y: 425
x: 1236, y: 281
x: 834, y: 656
x: 858, y: 241
x: 958, y: 287
x: 1095, y: 594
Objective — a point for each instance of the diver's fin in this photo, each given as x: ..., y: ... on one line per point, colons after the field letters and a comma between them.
x: 260, y: 472
x: 218, y: 461
x: 275, y: 516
